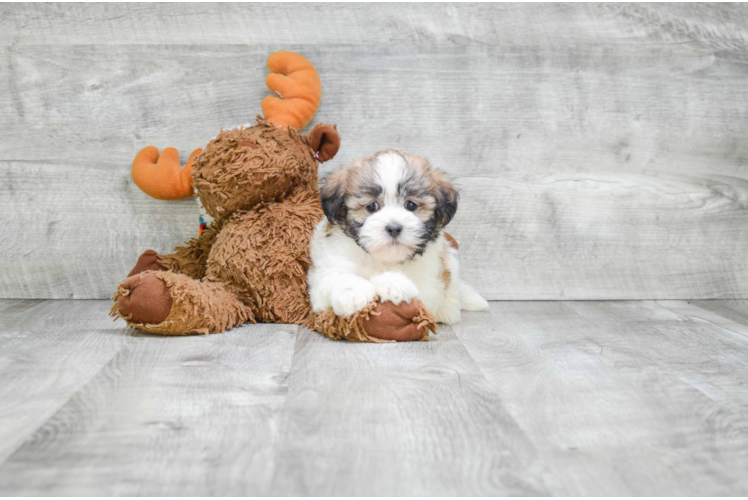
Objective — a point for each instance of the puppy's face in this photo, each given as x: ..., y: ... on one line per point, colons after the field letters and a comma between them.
x: 392, y: 204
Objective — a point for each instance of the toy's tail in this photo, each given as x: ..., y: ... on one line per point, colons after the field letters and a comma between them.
x: 470, y: 299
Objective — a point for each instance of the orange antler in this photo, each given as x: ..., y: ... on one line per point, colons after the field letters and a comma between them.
x: 296, y: 82
x: 163, y: 177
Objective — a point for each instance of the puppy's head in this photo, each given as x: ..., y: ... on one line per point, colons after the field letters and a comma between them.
x: 392, y: 204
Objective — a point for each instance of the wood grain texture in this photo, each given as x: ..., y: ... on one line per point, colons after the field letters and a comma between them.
x: 604, y: 236
x: 362, y: 24
x: 554, y: 398
x: 163, y: 416
x: 621, y: 398
x: 398, y: 420
x: 734, y: 310
x: 76, y: 231
x: 600, y: 147
x: 50, y: 350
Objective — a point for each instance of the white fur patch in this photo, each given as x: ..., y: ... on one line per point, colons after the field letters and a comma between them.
x: 394, y: 286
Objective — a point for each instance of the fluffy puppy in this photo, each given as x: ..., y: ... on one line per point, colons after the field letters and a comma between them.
x: 382, y: 235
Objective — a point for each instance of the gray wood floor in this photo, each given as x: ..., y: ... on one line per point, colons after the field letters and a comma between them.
x: 559, y: 398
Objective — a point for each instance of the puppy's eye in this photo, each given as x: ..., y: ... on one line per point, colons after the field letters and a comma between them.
x: 409, y: 205
x: 373, y: 207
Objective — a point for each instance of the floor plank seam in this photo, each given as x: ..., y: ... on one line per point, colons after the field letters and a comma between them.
x: 62, y: 405
x: 283, y: 427
x: 721, y: 327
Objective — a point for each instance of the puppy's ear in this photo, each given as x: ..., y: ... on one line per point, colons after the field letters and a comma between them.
x: 332, y: 195
x: 446, y: 196
x: 325, y: 141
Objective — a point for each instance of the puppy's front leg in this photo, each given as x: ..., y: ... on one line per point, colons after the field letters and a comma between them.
x: 345, y: 293
x: 350, y: 294
x: 394, y: 287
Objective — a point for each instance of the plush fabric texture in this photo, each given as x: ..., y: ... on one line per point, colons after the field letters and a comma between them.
x: 162, y: 176
x: 148, y: 261
x: 245, y: 167
x: 402, y: 322
x: 144, y: 298
x: 296, y: 83
x: 198, y: 306
x: 191, y: 259
x: 325, y: 142
x: 379, y: 322
x: 260, y: 186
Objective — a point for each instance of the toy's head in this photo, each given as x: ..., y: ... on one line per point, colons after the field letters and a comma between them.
x: 246, y: 166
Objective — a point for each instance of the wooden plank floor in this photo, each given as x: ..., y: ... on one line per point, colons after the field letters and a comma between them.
x: 533, y: 398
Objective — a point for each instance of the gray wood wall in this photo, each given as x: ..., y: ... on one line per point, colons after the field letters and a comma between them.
x: 602, y: 150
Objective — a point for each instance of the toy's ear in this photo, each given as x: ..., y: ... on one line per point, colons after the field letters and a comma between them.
x: 332, y: 196
x: 325, y: 141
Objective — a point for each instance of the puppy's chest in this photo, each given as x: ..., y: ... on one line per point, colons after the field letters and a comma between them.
x: 426, y: 272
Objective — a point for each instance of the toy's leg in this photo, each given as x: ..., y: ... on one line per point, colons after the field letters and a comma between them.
x: 379, y: 322
x: 148, y: 261
x: 190, y: 259
x: 168, y: 303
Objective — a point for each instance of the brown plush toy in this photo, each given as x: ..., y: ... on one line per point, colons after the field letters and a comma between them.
x: 260, y: 186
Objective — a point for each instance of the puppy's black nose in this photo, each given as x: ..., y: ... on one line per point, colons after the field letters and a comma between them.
x: 394, y: 229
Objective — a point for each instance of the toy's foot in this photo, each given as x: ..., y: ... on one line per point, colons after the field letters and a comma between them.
x: 396, y: 322
x: 146, y: 262
x: 146, y: 299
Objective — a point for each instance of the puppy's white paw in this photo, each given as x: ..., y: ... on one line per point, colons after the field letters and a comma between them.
x: 394, y: 287
x: 449, y: 314
x: 352, y: 295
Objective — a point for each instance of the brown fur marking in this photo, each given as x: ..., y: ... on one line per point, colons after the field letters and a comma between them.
x: 446, y: 273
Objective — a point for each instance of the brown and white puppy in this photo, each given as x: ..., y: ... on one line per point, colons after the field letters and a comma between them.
x: 383, y: 236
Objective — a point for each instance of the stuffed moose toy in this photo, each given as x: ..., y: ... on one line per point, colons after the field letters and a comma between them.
x: 259, y: 184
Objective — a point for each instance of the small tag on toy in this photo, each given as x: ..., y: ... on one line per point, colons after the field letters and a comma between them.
x: 205, y: 219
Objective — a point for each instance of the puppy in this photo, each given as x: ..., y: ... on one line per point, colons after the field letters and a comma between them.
x: 382, y: 236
